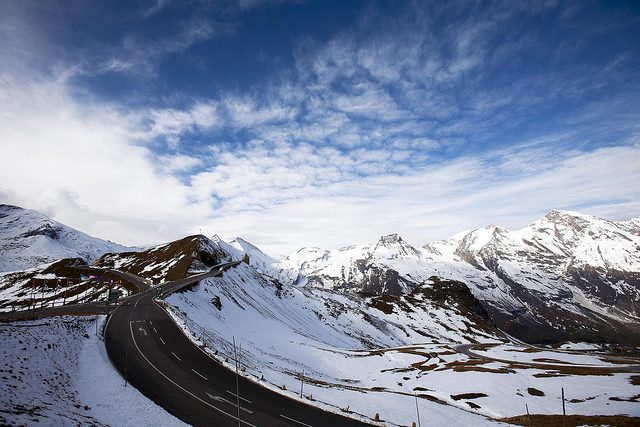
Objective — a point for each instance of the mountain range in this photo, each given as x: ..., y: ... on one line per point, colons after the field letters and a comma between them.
x: 565, y: 277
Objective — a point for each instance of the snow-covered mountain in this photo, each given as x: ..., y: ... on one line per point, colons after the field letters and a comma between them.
x: 28, y: 239
x: 566, y: 276
x: 374, y: 320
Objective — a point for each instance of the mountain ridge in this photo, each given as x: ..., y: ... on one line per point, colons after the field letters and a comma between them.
x: 29, y: 238
x: 579, y: 269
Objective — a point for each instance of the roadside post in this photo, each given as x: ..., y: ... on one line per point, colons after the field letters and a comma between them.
x: 564, y: 412
x: 301, y: 383
x: 417, y: 409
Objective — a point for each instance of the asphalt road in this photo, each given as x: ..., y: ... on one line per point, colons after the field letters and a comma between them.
x: 154, y: 355
x: 140, y: 283
x: 100, y: 307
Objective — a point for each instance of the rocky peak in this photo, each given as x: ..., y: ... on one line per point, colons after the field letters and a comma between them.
x: 390, y: 239
x: 392, y: 245
x: 47, y: 228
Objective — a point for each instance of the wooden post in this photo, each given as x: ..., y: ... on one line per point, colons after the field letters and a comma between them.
x: 417, y: 409
x: 564, y: 412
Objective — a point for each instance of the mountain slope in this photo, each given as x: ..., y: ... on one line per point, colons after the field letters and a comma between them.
x: 566, y: 276
x: 28, y: 239
x: 173, y: 260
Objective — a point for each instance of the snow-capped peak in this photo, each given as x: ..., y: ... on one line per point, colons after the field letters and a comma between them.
x: 392, y: 246
x: 29, y: 238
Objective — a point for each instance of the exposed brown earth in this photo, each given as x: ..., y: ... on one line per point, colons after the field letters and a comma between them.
x: 535, y: 420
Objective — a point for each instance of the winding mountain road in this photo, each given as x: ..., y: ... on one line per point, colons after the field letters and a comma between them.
x: 155, y: 356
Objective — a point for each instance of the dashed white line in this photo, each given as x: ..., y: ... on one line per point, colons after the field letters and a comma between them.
x: 234, y: 395
x: 154, y: 329
x: 222, y: 399
x: 180, y: 387
x: 199, y: 374
x: 176, y: 356
x: 295, y: 421
x: 162, y: 341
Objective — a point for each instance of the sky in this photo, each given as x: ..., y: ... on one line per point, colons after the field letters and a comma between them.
x: 317, y: 123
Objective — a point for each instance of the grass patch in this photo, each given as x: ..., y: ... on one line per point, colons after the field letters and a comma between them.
x: 535, y: 392
x: 635, y: 398
x: 483, y: 369
x: 574, y: 420
x: 467, y: 396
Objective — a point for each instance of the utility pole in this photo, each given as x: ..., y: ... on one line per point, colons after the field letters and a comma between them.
x: 417, y: 409
x: 126, y: 362
x: 301, y: 383
x: 528, y: 416
x: 235, y: 356
x: 64, y: 300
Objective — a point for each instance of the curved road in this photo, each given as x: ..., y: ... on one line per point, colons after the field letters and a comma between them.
x: 154, y: 355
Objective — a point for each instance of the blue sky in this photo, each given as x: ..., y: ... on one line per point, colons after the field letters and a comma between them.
x: 318, y: 123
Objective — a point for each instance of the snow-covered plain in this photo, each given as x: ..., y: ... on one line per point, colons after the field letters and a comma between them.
x: 57, y: 372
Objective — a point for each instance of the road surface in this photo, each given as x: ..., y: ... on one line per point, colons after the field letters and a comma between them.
x: 154, y: 355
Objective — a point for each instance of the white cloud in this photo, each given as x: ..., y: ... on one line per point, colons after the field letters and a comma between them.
x: 81, y: 164
x: 170, y: 123
x: 431, y: 203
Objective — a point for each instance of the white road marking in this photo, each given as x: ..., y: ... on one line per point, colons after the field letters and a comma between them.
x: 295, y: 421
x: 180, y: 387
x: 151, y: 322
x: 154, y: 329
x: 199, y: 374
x: 176, y: 356
x: 141, y: 329
x: 222, y: 399
x: 137, y: 301
x: 234, y: 395
x: 162, y: 341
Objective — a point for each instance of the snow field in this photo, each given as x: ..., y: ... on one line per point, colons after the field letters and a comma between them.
x: 57, y: 372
